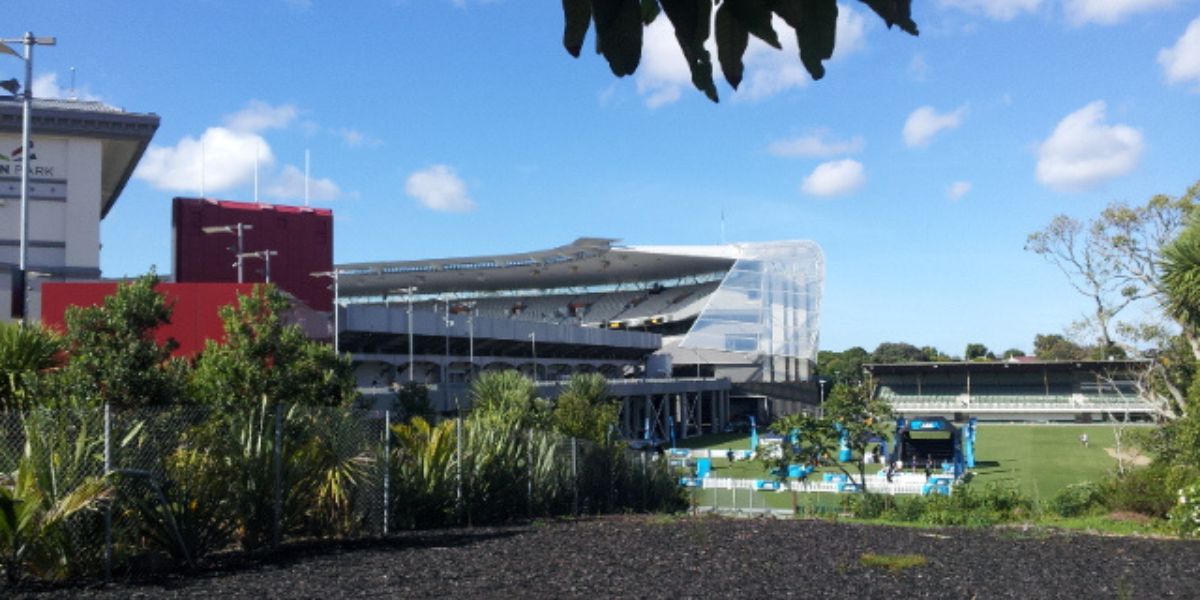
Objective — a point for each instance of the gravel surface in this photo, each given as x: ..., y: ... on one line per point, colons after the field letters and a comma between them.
x: 665, y: 557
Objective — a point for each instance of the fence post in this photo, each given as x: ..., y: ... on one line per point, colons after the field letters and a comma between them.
x: 645, y: 484
x: 575, y: 477
x: 276, y: 530
x: 458, y: 497
x: 387, y: 465
x: 108, y: 533
x: 529, y: 461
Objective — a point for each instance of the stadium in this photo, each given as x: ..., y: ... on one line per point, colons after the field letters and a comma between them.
x: 689, y: 336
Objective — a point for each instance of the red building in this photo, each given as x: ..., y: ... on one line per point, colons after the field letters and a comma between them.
x: 194, y: 317
x: 301, y: 239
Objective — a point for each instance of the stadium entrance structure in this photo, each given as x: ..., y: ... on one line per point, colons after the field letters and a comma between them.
x: 737, y: 313
x: 1016, y: 390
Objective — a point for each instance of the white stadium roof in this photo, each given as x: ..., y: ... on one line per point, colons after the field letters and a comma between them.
x: 582, y: 263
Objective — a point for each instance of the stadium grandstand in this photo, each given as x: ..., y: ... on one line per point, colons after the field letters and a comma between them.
x: 1016, y: 390
x: 686, y: 335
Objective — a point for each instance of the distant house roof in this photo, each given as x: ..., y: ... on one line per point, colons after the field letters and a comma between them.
x: 124, y: 135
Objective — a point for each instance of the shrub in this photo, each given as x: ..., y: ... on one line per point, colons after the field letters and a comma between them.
x: 1185, y: 517
x: 870, y: 506
x: 1078, y: 499
x: 1152, y: 491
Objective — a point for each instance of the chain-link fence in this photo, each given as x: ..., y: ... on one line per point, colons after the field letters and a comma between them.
x: 108, y: 492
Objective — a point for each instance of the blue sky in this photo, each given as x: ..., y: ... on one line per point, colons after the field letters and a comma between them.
x: 439, y: 127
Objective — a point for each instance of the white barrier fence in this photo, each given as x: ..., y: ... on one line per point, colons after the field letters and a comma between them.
x: 901, y: 484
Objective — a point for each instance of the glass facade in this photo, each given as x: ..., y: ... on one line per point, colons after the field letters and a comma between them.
x: 768, y: 304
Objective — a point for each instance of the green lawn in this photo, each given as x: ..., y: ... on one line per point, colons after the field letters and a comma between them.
x: 1039, y: 459
x: 1043, y: 459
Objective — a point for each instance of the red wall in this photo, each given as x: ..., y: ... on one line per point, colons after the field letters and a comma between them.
x: 302, y: 236
x: 193, y: 320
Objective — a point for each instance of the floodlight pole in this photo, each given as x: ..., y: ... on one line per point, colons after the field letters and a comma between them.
x: 265, y: 255
x: 236, y: 228
x: 410, y: 289
x: 533, y: 351
x: 821, y: 383
x: 29, y: 41
x: 337, y: 348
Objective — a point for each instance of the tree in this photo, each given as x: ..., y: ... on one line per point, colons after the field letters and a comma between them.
x: 507, y: 397
x: 806, y: 441
x: 113, y: 355
x: 1113, y: 260
x: 863, y: 416
x: 1057, y: 347
x: 846, y: 365
x: 976, y: 351
x: 585, y: 409
x: 898, y: 352
x: 265, y: 359
x: 932, y: 354
x: 619, y: 25
x: 1013, y: 352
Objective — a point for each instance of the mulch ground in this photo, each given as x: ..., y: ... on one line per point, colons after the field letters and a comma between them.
x: 667, y: 557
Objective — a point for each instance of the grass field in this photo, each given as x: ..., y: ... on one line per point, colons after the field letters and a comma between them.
x: 1038, y: 459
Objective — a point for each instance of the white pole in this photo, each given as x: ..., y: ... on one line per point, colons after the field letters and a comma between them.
x: 306, y: 166
x: 203, y: 164
x: 256, y: 171
x: 410, y: 334
x: 337, y: 347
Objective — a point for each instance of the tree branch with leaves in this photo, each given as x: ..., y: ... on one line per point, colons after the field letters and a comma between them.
x: 619, y: 31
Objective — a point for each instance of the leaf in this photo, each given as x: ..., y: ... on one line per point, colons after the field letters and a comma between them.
x: 650, y: 11
x: 577, y: 15
x: 895, y: 12
x: 732, y: 39
x: 619, y: 33
x: 755, y: 17
x: 816, y: 34
x: 690, y: 18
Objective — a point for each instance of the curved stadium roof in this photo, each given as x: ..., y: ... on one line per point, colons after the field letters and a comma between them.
x: 582, y: 263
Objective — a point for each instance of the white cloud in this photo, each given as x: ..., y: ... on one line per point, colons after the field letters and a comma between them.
x: 1084, y: 151
x: 439, y: 188
x: 1000, y: 10
x: 46, y: 86
x: 226, y: 157
x: 663, y: 74
x: 835, y: 178
x: 356, y: 139
x: 818, y: 144
x: 288, y: 184
x: 918, y: 68
x: 958, y: 189
x: 1181, y: 62
x: 926, y: 122
x: 260, y: 116
x: 1108, y: 12
x: 770, y: 71
x: 223, y: 158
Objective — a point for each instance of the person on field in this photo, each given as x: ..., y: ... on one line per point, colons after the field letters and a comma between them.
x: 1083, y: 439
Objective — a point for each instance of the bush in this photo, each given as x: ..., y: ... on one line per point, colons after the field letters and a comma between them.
x: 1152, y: 491
x: 1185, y: 517
x: 870, y: 506
x: 1078, y: 499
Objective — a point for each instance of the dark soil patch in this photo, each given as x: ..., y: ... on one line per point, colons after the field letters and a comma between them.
x: 661, y: 557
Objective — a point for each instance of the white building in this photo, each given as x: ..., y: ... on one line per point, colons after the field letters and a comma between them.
x: 82, y: 155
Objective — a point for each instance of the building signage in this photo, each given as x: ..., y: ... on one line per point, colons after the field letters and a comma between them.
x: 45, y: 158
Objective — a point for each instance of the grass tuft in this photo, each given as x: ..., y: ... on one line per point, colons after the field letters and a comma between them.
x: 893, y: 562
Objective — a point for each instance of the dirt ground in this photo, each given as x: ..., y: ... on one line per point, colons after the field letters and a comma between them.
x: 677, y: 557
